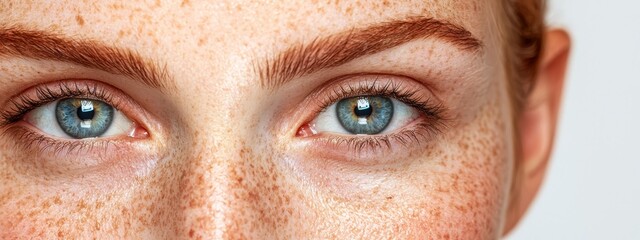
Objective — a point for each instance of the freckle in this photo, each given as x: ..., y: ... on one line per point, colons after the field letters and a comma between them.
x: 61, y: 222
x: 82, y: 204
x: 56, y: 200
x: 349, y: 10
x: 202, y: 41
x: 79, y: 20
x: 46, y: 204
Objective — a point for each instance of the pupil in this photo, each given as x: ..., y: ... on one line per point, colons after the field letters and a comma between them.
x: 85, y: 115
x: 363, y: 112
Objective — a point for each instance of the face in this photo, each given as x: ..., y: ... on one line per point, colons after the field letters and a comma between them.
x: 234, y: 119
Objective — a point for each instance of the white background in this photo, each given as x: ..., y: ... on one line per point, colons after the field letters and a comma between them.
x: 592, y: 189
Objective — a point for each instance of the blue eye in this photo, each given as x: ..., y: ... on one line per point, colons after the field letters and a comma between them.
x: 78, y: 118
x: 365, y: 115
x: 83, y: 118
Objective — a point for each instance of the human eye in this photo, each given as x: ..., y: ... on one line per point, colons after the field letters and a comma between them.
x: 373, y: 115
x: 79, y: 118
x: 364, y: 115
x: 71, y: 115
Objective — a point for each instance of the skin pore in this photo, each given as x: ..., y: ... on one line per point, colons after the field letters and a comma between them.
x: 218, y: 151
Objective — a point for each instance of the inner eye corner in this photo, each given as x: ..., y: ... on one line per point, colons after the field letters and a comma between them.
x: 305, y: 130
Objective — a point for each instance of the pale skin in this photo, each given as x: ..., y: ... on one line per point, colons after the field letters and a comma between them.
x: 219, y: 155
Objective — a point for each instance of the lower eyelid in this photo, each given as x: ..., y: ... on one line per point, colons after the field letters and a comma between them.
x: 424, y: 119
x: 78, y: 161
x: 123, y: 149
x: 371, y: 149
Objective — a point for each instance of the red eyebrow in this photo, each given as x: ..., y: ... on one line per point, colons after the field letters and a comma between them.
x: 343, y: 47
x: 43, y: 45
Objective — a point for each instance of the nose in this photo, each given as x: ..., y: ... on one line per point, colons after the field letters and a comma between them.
x: 234, y: 193
x: 222, y: 177
x: 223, y: 183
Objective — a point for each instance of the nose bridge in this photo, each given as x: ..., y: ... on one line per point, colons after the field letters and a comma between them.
x: 205, y: 186
x: 216, y: 168
x: 222, y: 183
x: 204, y: 190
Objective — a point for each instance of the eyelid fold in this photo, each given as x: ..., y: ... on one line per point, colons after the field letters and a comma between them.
x: 19, y: 106
x: 40, y: 154
x: 431, y: 120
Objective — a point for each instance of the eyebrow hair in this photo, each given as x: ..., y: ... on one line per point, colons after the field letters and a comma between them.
x: 338, y: 49
x: 44, y: 45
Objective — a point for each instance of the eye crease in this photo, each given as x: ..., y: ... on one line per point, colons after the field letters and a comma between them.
x: 364, y: 112
x: 73, y: 111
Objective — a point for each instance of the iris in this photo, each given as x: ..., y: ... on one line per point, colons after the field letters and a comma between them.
x: 83, y: 118
x: 365, y: 115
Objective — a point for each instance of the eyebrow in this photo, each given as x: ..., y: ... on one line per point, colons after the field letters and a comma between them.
x: 44, y: 45
x: 338, y: 49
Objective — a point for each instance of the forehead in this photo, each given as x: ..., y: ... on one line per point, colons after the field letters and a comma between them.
x: 215, y: 36
x: 248, y: 20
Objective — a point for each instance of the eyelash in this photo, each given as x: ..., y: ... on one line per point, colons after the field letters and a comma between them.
x: 44, y: 94
x: 48, y: 93
x: 432, y: 115
x: 434, y: 121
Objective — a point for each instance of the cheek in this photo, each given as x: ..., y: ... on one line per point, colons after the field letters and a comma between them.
x: 36, y: 209
x: 464, y: 186
x: 455, y: 189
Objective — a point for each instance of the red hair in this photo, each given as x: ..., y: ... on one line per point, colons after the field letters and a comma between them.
x: 524, y: 41
x: 523, y: 44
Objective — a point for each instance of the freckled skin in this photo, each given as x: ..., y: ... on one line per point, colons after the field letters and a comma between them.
x: 221, y: 171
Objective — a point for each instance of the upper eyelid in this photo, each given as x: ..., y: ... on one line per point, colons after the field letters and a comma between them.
x: 44, y: 93
x: 321, y: 97
x: 379, y: 77
x: 391, y: 85
x: 144, y: 126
